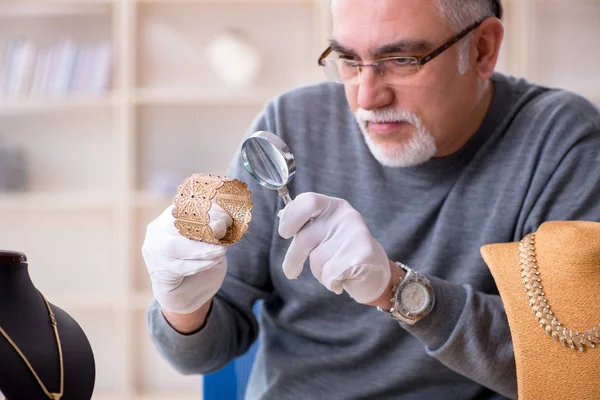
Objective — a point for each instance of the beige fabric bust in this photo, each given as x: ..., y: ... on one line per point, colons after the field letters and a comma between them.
x: 568, y: 259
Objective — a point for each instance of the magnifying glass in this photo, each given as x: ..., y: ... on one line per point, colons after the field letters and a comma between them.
x: 270, y: 162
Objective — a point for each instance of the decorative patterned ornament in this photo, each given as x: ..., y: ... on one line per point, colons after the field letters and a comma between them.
x: 540, y: 307
x: 194, y: 199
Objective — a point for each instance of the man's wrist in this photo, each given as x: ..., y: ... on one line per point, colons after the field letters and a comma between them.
x: 385, y: 300
x: 191, y: 323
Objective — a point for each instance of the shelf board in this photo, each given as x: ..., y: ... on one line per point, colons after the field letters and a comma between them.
x: 55, y: 8
x: 203, y: 96
x: 54, y: 201
x: 25, y: 105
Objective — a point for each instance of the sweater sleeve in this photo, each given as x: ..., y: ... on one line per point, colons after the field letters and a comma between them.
x: 468, y: 332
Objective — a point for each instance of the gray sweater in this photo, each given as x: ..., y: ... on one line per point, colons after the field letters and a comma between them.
x: 535, y: 158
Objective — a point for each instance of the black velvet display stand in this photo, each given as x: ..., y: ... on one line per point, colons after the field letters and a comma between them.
x: 24, y: 317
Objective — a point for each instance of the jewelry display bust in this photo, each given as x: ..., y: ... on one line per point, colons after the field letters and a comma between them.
x: 27, y: 322
x: 549, y: 284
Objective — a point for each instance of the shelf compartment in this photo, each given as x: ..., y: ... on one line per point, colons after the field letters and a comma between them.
x: 109, y: 347
x: 178, y: 141
x: 59, y: 55
x: 559, y: 60
x: 69, y: 252
x: 64, y: 155
x: 172, y: 41
x: 83, y: 28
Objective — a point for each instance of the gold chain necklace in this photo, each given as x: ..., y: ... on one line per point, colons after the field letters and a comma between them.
x: 539, y: 303
x: 54, y: 396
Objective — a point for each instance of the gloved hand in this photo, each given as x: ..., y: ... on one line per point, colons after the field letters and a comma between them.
x: 343, y: 254
x: 185, y: 274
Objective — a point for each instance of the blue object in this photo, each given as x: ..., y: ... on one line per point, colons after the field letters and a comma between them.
x: 229, y: 383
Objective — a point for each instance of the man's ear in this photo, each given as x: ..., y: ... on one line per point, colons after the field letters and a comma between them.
x: 487, y: 47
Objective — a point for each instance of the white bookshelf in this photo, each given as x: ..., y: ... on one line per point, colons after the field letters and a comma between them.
x: 94, y: 160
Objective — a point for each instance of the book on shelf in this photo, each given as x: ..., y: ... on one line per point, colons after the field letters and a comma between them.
x: 63, y: 68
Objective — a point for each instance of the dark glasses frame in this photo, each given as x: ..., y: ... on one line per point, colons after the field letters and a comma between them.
x: 428, y: 57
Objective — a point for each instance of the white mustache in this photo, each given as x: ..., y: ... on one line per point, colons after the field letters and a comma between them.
x: 387, y: 115
x: 419, y: 148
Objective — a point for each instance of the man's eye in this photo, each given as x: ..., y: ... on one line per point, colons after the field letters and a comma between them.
x: 349, y: 62
x: 401, y: 62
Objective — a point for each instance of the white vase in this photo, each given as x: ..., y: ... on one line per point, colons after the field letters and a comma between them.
x: 234, y: 59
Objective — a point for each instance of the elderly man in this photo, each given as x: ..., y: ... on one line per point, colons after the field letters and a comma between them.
x: 415, y: 156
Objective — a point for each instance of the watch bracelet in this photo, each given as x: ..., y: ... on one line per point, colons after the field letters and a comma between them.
x: 393, y: 312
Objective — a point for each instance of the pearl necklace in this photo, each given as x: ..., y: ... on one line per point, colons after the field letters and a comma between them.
x: 539, y: 303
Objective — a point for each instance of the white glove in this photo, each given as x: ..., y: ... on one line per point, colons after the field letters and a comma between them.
x: 343, y: 254
x: 185, y: 274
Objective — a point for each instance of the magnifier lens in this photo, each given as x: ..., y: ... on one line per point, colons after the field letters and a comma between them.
x: 267, y: 162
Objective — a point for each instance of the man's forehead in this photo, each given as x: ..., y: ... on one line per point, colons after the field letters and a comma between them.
x: 382, y: 9
x: 369, y: 25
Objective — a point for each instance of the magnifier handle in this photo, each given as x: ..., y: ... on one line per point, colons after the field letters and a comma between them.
x: 285, y: 195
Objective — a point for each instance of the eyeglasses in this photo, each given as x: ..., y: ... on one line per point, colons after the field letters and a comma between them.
x: 392, y: 69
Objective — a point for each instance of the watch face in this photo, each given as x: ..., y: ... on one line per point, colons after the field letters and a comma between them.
x: 414, y: 298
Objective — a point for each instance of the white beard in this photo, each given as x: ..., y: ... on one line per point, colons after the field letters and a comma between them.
x: 418, y: 149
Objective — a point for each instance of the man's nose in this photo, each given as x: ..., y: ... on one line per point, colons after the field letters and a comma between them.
x: 373, y: 93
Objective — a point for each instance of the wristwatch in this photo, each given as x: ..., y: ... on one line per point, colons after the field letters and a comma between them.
x: 413, y: 297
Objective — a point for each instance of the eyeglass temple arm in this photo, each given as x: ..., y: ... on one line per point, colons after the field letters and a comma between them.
x: 445, y: 46
x: 324, y: 55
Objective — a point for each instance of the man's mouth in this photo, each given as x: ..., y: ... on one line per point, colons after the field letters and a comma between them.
x: 385, y: 128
